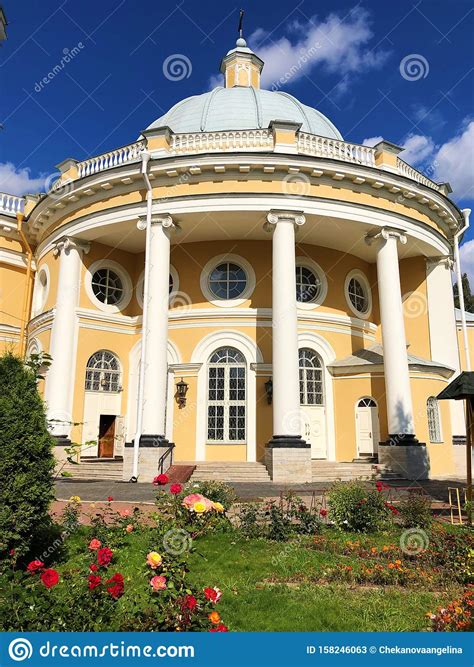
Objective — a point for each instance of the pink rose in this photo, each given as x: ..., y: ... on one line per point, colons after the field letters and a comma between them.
x: 158, y: 583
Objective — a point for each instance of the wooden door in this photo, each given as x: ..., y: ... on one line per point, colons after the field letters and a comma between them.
x: 106, y: 436
x: 367, y: 425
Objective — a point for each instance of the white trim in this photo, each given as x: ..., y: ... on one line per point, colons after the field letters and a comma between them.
x: 124, y: 277
x: 41, y: 292
x: 201, y: 354
x: 235, y: 259
x: 14, y: 258
x: 362, y: 278
x: 327, y: 354
x: 313, y: 266
x: 370, y: 218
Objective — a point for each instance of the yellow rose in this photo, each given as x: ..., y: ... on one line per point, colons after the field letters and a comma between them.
x: 219, y: 507
x: 75, y: 499
x: 154, y: 560
x: 199, y: 507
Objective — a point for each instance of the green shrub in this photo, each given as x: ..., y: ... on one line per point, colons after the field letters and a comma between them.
x: 279, y: 522
x: 251, y: 520
x: 357, y: 506
x: 415, y: 511
x: 26, y: 458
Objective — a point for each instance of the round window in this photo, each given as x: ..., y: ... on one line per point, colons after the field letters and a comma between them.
x: 107, y: 286
x: 358, y: 295
x: 227, y: 281
x: 308, y: 285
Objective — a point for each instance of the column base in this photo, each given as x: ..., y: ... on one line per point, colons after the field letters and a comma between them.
x: 405, y: 455
x: 151, y: 448
x: 288, y: 459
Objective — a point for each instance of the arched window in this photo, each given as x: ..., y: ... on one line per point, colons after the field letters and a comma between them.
x: 103, y: 372
x: 311, y: 377
x: 366, y: 403
x: 226, y: 396
x: 434, y: 422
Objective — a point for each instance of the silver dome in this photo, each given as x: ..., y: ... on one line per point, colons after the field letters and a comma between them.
x: 243, y: 108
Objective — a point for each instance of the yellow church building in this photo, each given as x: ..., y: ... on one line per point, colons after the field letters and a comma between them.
x: 240, y: 286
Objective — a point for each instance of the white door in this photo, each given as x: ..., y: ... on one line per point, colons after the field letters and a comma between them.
x: 367, y: 426
x: 312, y: 402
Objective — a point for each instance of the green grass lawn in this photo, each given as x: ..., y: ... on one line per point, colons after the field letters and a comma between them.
x: 272, y: 586
x: 250, y: 603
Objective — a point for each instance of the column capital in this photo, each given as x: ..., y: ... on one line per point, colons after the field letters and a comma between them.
x: 68, y: 243
x: 275, y: 216
x: 163, y: 219
x: 386, y: 233
x: 440, y: 260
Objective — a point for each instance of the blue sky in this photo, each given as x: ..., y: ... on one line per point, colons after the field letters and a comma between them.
x: 399, y: 70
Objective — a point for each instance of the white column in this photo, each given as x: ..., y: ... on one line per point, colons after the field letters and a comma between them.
x: 156, y: 358
x: 397, y: 378
x: 59, y: 388
x: 286, y: 392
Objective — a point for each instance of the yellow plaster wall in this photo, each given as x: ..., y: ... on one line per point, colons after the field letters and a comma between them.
x: 441, y: 455
x: 347, y: 393
x: 12, y: 294
x: 470, y: 338
x: 415, y: 305
x: 52, y: 263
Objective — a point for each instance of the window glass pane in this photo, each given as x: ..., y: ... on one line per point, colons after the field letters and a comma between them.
x: 308, y: 285
x: 227, y: 281
x: 107, y: 286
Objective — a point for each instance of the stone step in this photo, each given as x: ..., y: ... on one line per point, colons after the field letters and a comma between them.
x: 230, y: 472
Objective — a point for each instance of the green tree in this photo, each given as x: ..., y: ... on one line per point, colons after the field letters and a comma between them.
x: 468, y: 297
x: 26, y: 458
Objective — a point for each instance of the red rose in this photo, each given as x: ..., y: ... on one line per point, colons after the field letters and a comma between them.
x: 379, y: 486
x: 95, y: 544
x: 212, y: 594
x: 94, y: 581
x: 50, y: 578
x: 323, y: 512
x: 34, y: 566
x: 93, y: 567
x: 175, y: 489
x: 117, y: 587
x: 104, y: 556
x: 109, y: 498
x: 189, y: 602
x: 161, y: 480
x: 219, y: 628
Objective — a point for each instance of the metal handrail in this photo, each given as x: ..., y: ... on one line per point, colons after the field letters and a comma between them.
x: 164, y: 456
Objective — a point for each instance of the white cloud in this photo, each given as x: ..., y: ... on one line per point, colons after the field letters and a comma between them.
x: 19, y: 181
x: 417, y: 148
x: 454, y: 162
x: 466, y: 252
x: 338, y: 44
x: 372, y: 141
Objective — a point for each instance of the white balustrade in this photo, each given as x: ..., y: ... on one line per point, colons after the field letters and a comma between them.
x: 316, y: 146
x: 405, y: 169
x: 130, y: 153
x: 205, y: 142
x: 11, y: 204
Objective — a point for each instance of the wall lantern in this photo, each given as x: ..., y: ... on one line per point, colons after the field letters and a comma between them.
x: 269, y: 390
x: 181, y: 391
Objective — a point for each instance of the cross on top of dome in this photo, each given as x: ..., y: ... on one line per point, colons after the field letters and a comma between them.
x: 241, y: 66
